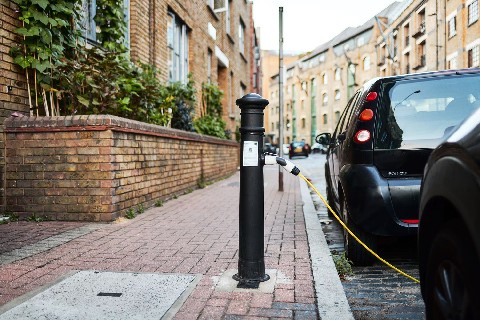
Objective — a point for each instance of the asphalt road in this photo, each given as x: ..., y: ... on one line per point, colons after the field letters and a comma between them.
x: 374, y: 292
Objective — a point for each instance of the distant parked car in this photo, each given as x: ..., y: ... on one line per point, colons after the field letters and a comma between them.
x: 269, y: 148
x: 298, y: 148
x: 449, y: 236
x: 285, y: 147
x: 378, y: 151
x: 319, y: 148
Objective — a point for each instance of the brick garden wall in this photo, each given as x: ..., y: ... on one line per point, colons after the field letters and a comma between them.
x: 95, y: 168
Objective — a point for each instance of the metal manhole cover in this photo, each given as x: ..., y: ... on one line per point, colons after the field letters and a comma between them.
x: 107, y: 295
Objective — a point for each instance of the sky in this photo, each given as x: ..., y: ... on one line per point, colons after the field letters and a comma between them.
x: 310, y: 23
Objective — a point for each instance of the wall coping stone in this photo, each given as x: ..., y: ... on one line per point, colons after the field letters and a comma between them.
x: 19, y: 123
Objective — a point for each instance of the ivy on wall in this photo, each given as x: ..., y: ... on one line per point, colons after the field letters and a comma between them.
x: 65, y: 77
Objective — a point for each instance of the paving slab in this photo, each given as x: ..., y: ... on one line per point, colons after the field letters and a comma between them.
x: 106, y: 296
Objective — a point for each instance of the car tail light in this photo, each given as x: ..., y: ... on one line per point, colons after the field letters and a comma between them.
x: 366, y: 115
x: 362, y: 136
x: 372, y: 96
x: 410, y: 221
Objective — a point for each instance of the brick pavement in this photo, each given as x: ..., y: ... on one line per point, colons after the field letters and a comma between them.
x: 196, y: 234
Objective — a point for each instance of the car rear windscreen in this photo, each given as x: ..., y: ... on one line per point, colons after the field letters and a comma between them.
x: 421, y: 113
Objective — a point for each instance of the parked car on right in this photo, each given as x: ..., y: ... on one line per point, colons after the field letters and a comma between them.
x: 449, y: 229
x: 378, y: 151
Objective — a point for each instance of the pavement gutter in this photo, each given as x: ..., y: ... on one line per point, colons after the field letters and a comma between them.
x: 331, y: 299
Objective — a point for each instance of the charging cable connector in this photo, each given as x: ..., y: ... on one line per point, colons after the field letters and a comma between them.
x: 287, y: 165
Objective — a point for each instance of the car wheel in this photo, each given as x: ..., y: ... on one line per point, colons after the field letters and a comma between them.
x: 452, y: 276
x: 354, y: 250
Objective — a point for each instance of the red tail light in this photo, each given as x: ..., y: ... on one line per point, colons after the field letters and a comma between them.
x: 362, y: 136
x: 371, y: 96
x: 411, y: 221
x: 366, y: 115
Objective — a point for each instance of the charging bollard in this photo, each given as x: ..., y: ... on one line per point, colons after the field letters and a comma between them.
x: 251, y: 262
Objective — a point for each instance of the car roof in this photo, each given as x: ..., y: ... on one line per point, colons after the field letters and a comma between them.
x: 422, y: 75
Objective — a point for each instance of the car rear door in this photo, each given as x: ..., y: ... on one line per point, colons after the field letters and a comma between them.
x: 335, y: 157
x: 413, y: 119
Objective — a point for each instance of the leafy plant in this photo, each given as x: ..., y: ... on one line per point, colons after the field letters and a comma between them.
x: 49, y: 36
x: 130, y: 214
x: 140, y: 208
x: 35, y: 218
x: 158, y: 203
x: 65, y: 77
x: 8, y: 217
x: 211, y: 100
x: 211, y: 125
x: 343, y: 265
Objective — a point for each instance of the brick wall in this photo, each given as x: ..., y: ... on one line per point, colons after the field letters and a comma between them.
x: 96, y: 168
x: 13, y: 93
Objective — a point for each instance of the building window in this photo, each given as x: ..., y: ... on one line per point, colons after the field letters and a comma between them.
x: 230, y: 94
x: 325, y: 118
x: 472, y: 12
x: 241, y: 37
x: 337, y: 116
x: 366, y: 63
x: 303, y: 123
x: 227, y: 16
x: 209, y: 66
x: 338, y: 73
x: 360, y: 41
x: 177, y: 43
x: 89, y: 8
x: 325, y: 78
x: 325, y: 99
x: 474, y: 56
x: 452, y: 63
x: 337, y: 94
x: 217, y: 5
x: 452, y: 26
x: 406, y: 34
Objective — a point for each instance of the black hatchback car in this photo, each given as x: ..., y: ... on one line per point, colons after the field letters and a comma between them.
x: 378, y: 151
x: 449, y: 237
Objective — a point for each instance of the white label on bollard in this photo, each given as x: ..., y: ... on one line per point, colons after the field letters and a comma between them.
x: 250, y: 154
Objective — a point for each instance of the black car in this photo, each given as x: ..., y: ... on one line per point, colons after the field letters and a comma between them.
x: 298, y: 148
x: 378, y: 151
x: 449, y: 236
x: 269, y: 148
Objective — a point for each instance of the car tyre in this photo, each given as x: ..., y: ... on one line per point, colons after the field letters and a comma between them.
x: 452, y: 280
x: 355, y: 251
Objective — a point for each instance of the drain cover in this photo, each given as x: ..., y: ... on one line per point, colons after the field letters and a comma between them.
x: 107, y: 295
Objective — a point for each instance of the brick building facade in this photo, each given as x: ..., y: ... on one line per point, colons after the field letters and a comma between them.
x: 406, y: 37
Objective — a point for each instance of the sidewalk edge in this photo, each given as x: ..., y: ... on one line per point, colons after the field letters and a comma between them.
x: 331, y: 299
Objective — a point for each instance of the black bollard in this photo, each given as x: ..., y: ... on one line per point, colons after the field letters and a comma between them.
x: 251, y: 262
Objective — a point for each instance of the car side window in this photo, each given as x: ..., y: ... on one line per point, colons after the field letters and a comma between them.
x: 353, y: 107
x: 344, y: 119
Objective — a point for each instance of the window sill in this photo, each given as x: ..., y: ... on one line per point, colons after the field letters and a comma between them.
x: 472, y: 23
x: 243, y: 57
x: 230, y: 38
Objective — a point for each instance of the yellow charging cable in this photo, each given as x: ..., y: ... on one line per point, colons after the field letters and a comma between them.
x: 354, y: 236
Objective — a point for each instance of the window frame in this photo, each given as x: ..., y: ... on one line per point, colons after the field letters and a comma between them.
x: 472, y: 8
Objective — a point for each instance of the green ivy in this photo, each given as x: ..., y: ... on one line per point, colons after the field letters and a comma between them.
x: 67, y: 78
x: 211, y: 125
x: 110, y: 21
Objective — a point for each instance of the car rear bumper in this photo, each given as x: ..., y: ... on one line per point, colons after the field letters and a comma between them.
x: 370, y: 203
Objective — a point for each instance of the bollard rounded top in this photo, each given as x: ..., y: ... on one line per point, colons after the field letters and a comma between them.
x: 253, y: 100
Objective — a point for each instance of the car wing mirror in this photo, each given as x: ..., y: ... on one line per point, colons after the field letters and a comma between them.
x: 324, y: 139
